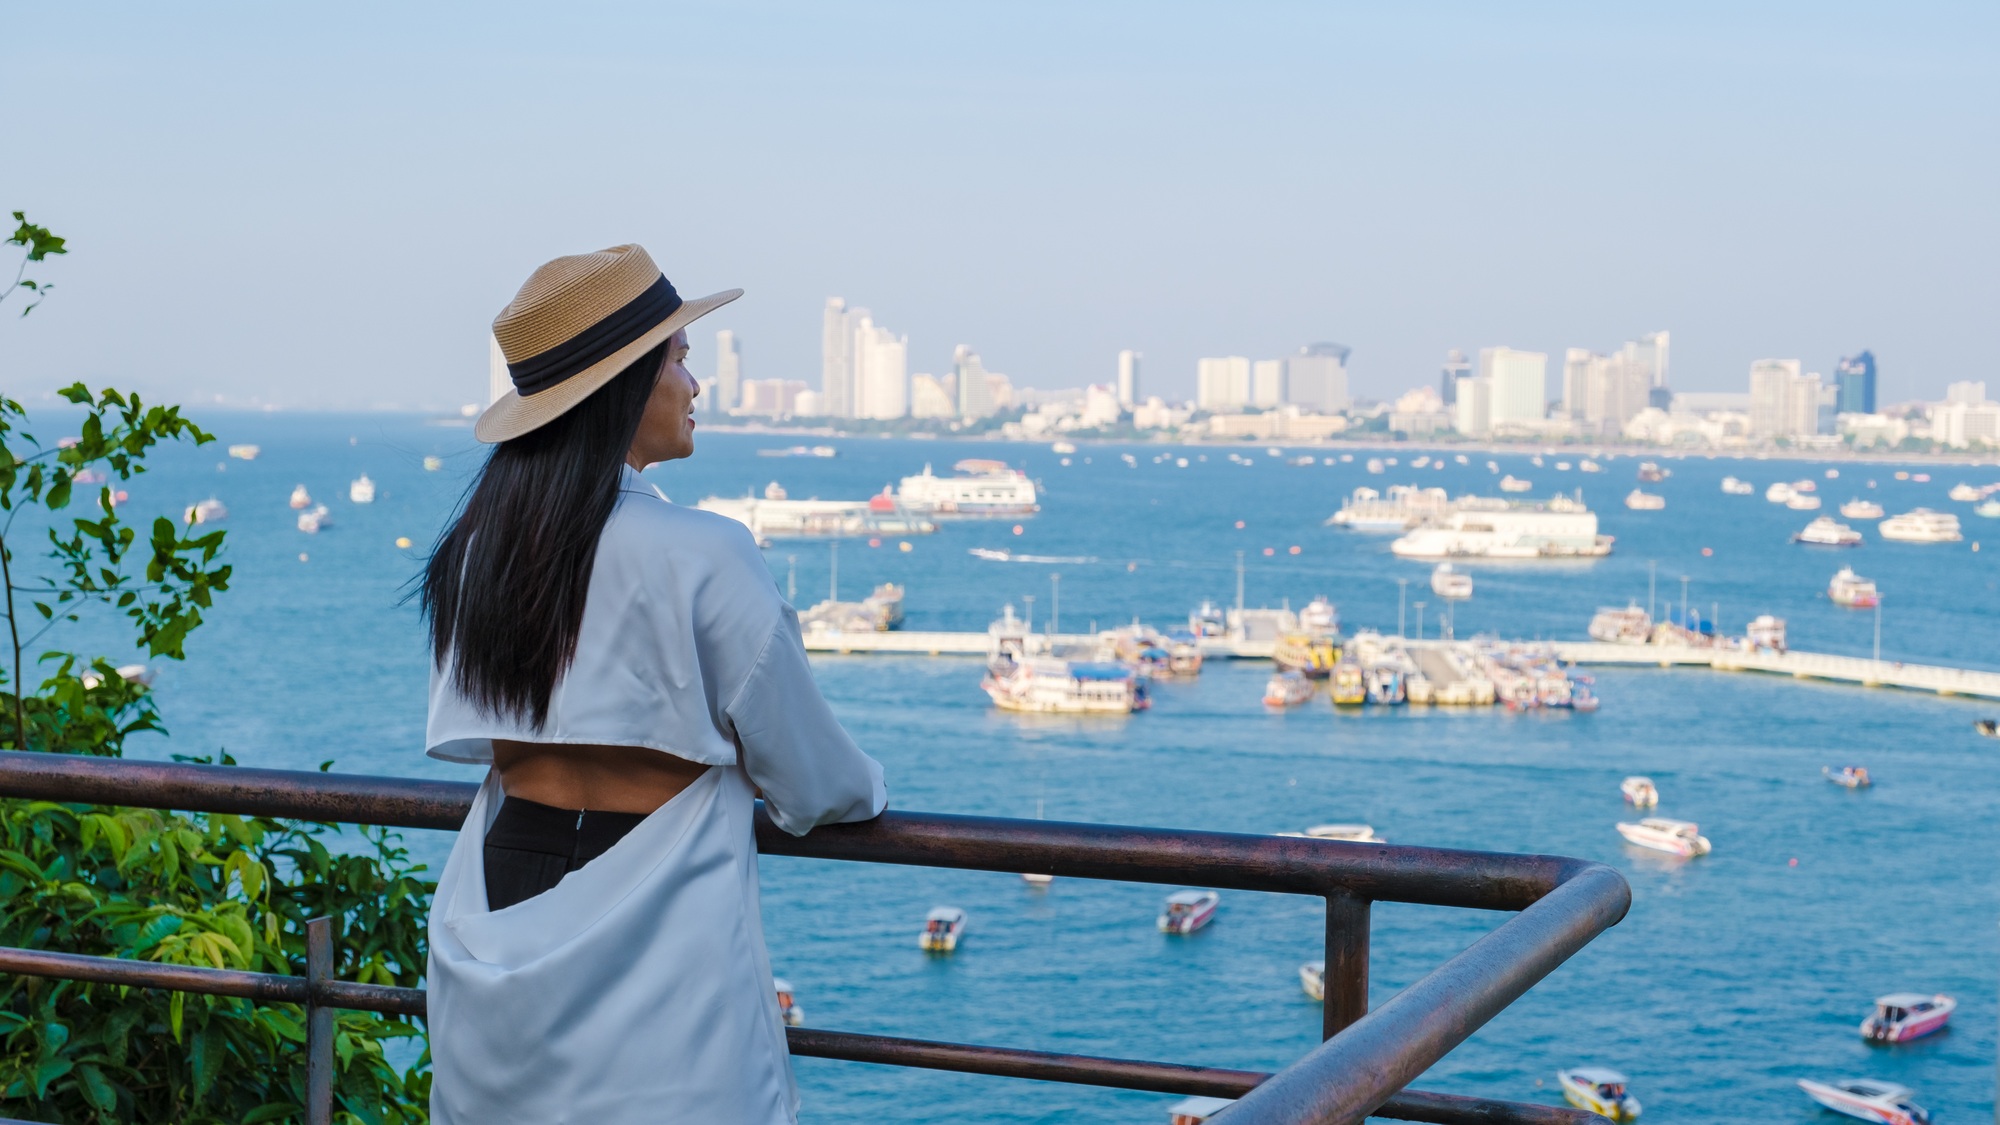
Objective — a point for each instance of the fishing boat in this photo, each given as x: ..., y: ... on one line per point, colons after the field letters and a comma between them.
x: 1512, y: 483
x: 1825, y: 531
x: 1779, y: 493
x: 1734, y: 487
x: 301, y: 499
x: 1861, y: 510
x: 1052, y: 684
x: 788, y: 1004
x: 314, y: 518
x: 1188, y: 911
x: 1348, y: 686
x: 1853, y: 591
x: 244, y: 452
x: 207, y: 511
x: 1902, y: 1016
x: 362, y: 491
x: 1675, y: 837
x: 1922, y: 525
x: 1320, y: 618
x: 1640, y: 792
x: 1287, y: 689
x: 1310, y: 656
x: 1599, y: 1090
x: 1651, y: 473
x: 1450, y: 584
x: 1964, y: 493
x: 944, y: 926
x: 1628, y: 626
x: 1196, y: 1110
x: 1848, y: 777
x: 1312, y: 978
x: 1868, y: 1100
x: 1640, y: 501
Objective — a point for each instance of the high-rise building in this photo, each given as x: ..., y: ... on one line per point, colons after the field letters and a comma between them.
x: 975, y: 390
x: 1455, y: 368
x: 1783, y: 402
x: 836, y: 358
x: 776, y: 397
x: 1128, y: 378
x: 881, y: 371
x: 1316, y: 378
x: 1518, y: 382
x: 1472, y: 406
x: 1607, y: 391
x: 1855, y: 375
x: 928, y: 398
x: 1222, y: 383
x: 1576, y: 380
x: 1650, y: 351
x: 1969, y: 391
x: 728, y: 373
x: 1267, y: 382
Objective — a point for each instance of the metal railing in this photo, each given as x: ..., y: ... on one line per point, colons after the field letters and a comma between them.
x: 1359, y: 1070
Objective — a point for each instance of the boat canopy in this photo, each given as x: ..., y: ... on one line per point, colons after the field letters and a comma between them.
x: 1597, y: 1075
x: 1903, y: 1000
x: 1100, y: 672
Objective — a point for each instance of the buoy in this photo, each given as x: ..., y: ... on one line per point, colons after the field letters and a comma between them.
x: 1269, y: 551
x: 904, y: 547
x: 1017, y: 529
x: 1295, y: 548
x: 874, y: 542
x: 1707, y: 552
x: 1239, y: 525
x: 403, y: 541
x: 1795, y: 861
x: 302, y: 556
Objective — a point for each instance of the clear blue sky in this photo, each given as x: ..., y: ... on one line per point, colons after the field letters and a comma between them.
x: 325, y: 205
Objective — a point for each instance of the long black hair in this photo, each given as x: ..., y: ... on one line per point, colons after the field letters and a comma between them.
x: 504, y: 588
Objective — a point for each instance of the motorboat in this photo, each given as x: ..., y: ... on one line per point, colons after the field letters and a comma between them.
x: 207, y: 511
x: 314, y: 518
x: 1063, y: 447
x: 944, y: 927
x: 1965, y: 493
x: 244, y: 452
x: 1853, y: 591
x: 1988, y: 509
x: 1196, y: 1110
x: 1675, y: 837
x: 1640, y: 792
x: 1922, y: 526
x: 1651, y: 473
x: 1350, y: 833
x: 301, y: 499
x: 1804, y: 486
x: 1320, y: 617
x: 1803, y: 502
x: 1848, y: 777
x: 1385, y: 684
x: 1779, y: 493
x: 1375, y: 465
x: 1868, y: 1100
x: 1832, y: 474
x: 1628, y: 626
x: 1989, y: 728
x: 1902, y: 1016
x: 362, y: 490
x: 1861, y: 510
x: 1512, y: 483
x: 1208, y: 621
x: 1449, y: 584
x: 1312, y: 978
x: 788, y: 1004
x: 1047, y: 683
x: 1921, y: 478
x: 1310, y: 656
x: 1188, y: 911
x: 1734, y: 487
x: 1825, y: 531
x: 1599, y: 1090
x: 1641, y: 501
x: 1585, y: 465
x: 1348, y: 686
x: 1287, y: 689
x: 1562, y: 466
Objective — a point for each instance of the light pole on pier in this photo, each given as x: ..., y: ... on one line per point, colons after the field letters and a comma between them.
x: 1652, y: 582
x: 1239, y: 585
x: 1028, y: 626
x: 1684, y: 603
x: 833, y: 546
x: 1055, y: 604
x: 1878, y: 628
x: 1420, y: 620
x: 1402, y: 590
x: 792, y: 578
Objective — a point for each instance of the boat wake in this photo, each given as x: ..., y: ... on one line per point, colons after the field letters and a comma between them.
x: 1008, y: 556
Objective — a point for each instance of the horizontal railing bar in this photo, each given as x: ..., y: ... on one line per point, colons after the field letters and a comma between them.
x: 1301, y: 865
x: 1004, y: 1062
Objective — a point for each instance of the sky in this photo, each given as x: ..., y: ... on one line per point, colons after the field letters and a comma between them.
x: 322, y: 207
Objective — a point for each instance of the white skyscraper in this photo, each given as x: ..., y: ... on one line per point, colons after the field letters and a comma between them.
x: 1783, y: 402
x: 728, y: 373
x: 1969, y: 391
x: 1316, y: 378
x: 836, y: 352
x: 1518, y: 382
x: 1472, y: 405
x: 975, y: 390
x: 1223, y: 383
x: 881, y: 372
x: 1267, y: 382
x: 928, y: 398
x: 1128, y: 378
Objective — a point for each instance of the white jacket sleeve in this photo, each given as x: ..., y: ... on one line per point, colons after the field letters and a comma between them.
x: 810, y: 771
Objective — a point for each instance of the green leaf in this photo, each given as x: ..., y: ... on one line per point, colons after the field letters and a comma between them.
x: 97, y: 1089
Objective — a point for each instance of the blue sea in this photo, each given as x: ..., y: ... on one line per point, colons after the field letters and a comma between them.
x: 1734, y: 975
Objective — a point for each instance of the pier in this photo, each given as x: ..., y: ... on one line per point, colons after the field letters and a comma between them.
x: 977, y: 644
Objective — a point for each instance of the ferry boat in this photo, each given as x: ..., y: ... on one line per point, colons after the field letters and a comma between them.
x: 362, y: 491
x: 314, y: 518
x: 433, y: 464
x: 984, y: 489
x: 1766, y: 631
x: 1902, y: 1016
x: 1052, y: 684
x: 1779, y: 493
x: 1599, y: 1090
x: 1651, y: 473
x: 1734, y: 487
x: 1859, y: 509
x: 1196, y: 1110
x: 1628, y: 626
x: 1852, y: 590
x: 1312, y: 978
x: 1828, y: 532
x: 1675, y: 837
x: 944, y: 926
x: 1561, y: 528
x: 1868, y: 1100
x: 207, y: 511
x: 1512, y: 483
x: 777, y: 515
x: 1287, y: 689
x: 1348, y: 686
x: 1320, y: 618
x: 1310, y: 656
x: 1640, y: 792
x: 788, y: 1004
x: 301, y: 499
x: 1188, y: 911
x: 1640, y: 501
x: 1847, y: 777
x: 244, y: 452
x: 1449, y: 584
x: 1965, y: 493
x: 1922, y: 526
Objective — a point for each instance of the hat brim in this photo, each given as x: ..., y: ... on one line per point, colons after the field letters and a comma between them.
x: 515, y: 414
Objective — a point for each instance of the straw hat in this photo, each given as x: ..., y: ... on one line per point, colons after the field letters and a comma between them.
x: 576, y: 324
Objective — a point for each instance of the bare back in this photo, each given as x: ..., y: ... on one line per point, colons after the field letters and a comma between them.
x: 626, y: 779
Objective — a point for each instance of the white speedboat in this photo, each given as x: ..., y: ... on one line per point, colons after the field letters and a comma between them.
x: 1902, y: 1016
x: 788, y: 1004
x: 1922, y: 526
x: 1803, y: 502
x: 1600, y: 1090
x: 1046, y: 683
x: 244, y: 452
x: 1628, y: 626
x: 1675, y: 837
x: 1512, y: 483
x: 1562, y: 466
x: 944, y: 927
x: 1868, y: 1100
x: 1826, y: 531
x: 1287, y: 689
x: 1196, y: 1110
x: 1347, y: 833
x: 1450, y: 584
x: 1640, y: 792
x: 1965, y: 493
x: 1848, y: 777
x: 1853, y: 591
x: 1375, y: 465
x: 207, y: 511
x: 314, y: 518
x: 1778, y: 493
x: 1641, y: 501
x: 301, y: 499
x: 362, y: 491
x: 1987, y: 509
x: 1586, y: 465
x: 1734, y: 487
x: 1312, y: 978
x: 1188, y: 911
x: 1861, y: 510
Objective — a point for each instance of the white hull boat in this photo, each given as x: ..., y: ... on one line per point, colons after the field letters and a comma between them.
x: 208, y: 511
x: 1188, y: 911
x: 1868, y: 1100
x: 1778, y: 493
x: 1675, y: 837
x: 788, y: 1004
x: 1828, y: 532
x: 1801, y: 502
x: 944, y: 928
x: 1861, y: 510
x: 301, y: 499
x: 1853, y: 591
x: 1287, y: 689
x: 1734, y: 487
x: 1599, y: 1090
x: 1312, y: 978
x: 1641, y: 501
x: 1051, y: 684
x: 1922, y: 526
x: 362, y: 491
x: 1450, y: 584
x: 1640, y: 792
x: 1902, y: 1016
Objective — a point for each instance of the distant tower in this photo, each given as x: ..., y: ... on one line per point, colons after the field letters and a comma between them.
x: 836, y: 358
x: 728, y: 373
x: 1128, y: 378
x: 1455, y: 368
x: 975, y: 393
x: 1855, y: 376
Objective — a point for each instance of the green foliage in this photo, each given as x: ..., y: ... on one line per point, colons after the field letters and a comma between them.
x: 39, y: 244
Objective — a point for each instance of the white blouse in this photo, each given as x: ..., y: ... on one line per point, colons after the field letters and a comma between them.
x: 638, y: 989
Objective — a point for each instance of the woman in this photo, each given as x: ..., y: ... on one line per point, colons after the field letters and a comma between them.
x: 632, y: 677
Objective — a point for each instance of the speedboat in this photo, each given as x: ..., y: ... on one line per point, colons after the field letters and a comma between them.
x: 1385, y: 684
x: 943, y: 927
x: 1675, y: 837
x: 1640, y: 792
x: 1196, y: 1110
x: 1512, y: 483
x: 1853, y: 591
x: 1778, y: 493
x: 1312, y: 978
x: 1589, y: 466
x: 1640, y: 501
x: 1861, y: 510
x: 1188, y: 911
x: 1599, y: 1090
x: 244, y: 452
x: 1922, y: 526
x: 208, y: 511
x: 788, y: 1005
x: 1851, y: 777
x: 1868, y: 1099
x: 1828, y: 532
x: 1987, y: 727
x: 1349, y: 833
x: 301, y: 499
x: 1650, y: 472
x: 362, y: 491
x: 1802, y: 502
x: 1734, y: 487
x: 1287, y: 689
x: 311, y: 520
x: 1988, y: 509
x: 1902, y: 1016
x: 1450, y: 584
x: 1964, y: 493
x: 433, y: 464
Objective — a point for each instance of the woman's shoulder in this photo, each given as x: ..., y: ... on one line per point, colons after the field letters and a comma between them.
x: 649, y: 522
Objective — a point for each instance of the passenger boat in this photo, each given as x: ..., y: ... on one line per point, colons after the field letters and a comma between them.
x: 983, y: 488
x: 1766, y: 631
x: 301, y: 499
x: 1861, y: 510
x: 788, y: 1005
x: 244, y: 452
x: 207, y: 511
x: 1450, y: 584
x: 1051, y: 684
x: 1320, y: 617
x: 944, y: 926
x: 1196, y: 1110
x: 1826, y: 531
x: 1902, y: 1016
x: 1651, y: 473
x: 1628, y: 626
x: 1675, y: 837
x: 1561, y: 528
x: 1599, y: 1090
x: 1922, y: 526
x: 1188, y: 911
x: 1734, y: 487
x: 1287, y: 689
x: 1208, y: 621
x: 1853, y: 591
x: 1965, y: 493
x: 1312, y: 978
x: 1801, y: 502
x: 1850, y: 777
x: 1640, y: 501
x: 1401, y: 508
x: 1640, y: 792
x: 1779, y: 493
x: 1310, y: 656
x: 1512, y: 483
x: 314, y: 518
x: 1868, y: 1100
x: 1348, y: 686
x: 362, y: 490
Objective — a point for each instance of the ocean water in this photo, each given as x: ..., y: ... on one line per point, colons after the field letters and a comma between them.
x: 1734, y: 974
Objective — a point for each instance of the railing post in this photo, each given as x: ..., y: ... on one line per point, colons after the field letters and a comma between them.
x: 1346, y: 987
x: 319, y: 1023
